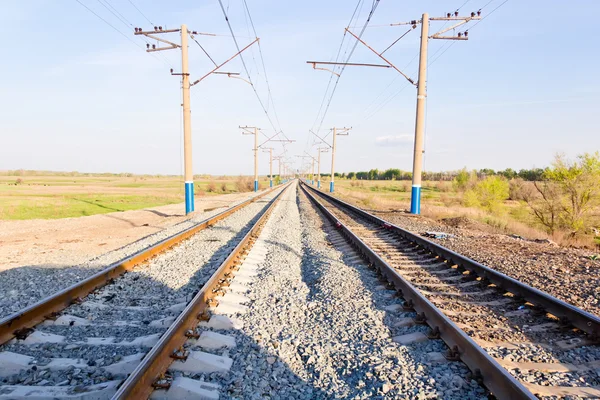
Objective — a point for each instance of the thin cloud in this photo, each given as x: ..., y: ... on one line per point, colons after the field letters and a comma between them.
x: 393, y: 141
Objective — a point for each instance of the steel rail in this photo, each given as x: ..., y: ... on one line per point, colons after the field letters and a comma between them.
x: 484, y: 367
x: 23, y: 320
x: 139, y: 384
x: 583, y: 320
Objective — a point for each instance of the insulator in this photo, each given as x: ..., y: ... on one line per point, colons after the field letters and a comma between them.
x: 459, y: 34
x: 154, y: 46
x: 448, y: 15
x: 414, y: 26
x: 147, y: 45
x: 194, y: 33
x: 414, y: 22
x: 479, y: 13
x: 171, y: 70
x: 472, y: 14
x: 160, y: 28
x: 156, y: 28
x: 135, y: 29
x: 456, y: 13
x: 466, y: 33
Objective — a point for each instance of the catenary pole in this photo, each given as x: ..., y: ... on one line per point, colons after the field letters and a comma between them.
x: 415, y: 199
x: 187, y: 124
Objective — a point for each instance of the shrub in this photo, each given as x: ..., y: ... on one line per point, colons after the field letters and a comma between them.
x: 211, y: 187
x: 470, y: 199
x: 224, y: 187
x: 491, y: 192
x: 244, y: 184
x: 488, y: 194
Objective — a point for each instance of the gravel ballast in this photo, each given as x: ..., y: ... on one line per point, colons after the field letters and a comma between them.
x: 316, y: 327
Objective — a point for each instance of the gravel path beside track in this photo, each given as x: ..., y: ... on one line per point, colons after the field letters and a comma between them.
x: 316, y: 327
x: 20, y: 287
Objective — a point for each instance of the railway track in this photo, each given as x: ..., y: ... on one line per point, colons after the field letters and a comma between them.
x: 130, y: 329
x: 518, y: 341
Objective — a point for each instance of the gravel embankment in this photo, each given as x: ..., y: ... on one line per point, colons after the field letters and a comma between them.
x: 140, y: 298
x: 316, y: 327
x: 567, y: 274
x: 21, y: 287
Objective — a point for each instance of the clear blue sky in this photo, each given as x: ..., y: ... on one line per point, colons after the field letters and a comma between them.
x: 77, y: 95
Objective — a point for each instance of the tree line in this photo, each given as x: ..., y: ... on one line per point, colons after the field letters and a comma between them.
x: 534, y: 174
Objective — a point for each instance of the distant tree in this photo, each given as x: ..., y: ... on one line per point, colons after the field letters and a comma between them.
x: 535, y: 174
x: 351, y: 175
x: 461, y: 180
x: 374, y: 174
x: 362, y: 175
x: 508, y: 173
x: 486, y: 172
x: 391, y: 174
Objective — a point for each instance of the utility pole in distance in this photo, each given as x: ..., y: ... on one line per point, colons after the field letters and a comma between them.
x: 253, y: 130
x: 336, y: 132
x: 320, y: 150
x: 270, y: 151
x: 313, y: 167
x: 278, y: 159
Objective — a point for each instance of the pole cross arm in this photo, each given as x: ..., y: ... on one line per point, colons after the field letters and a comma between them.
x: 310, y: 156
x: 320, y: 138
x: 382, y: 57
x: 173, y: 45
x: 220, y: 65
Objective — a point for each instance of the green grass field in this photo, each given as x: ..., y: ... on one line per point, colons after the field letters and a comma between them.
x: 56, y: 196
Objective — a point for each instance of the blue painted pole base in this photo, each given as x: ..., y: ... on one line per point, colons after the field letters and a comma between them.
x: 270, y: 183
x: 256, y: 186
x: 331, y: 185
x: 189, y: 197
x: 415, y: 200
x: 318, y: 184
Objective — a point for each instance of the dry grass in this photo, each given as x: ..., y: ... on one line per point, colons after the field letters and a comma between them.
x: 441, y: 200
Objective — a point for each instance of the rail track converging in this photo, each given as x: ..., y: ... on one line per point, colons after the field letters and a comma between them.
x: 136, y: 327
x: 496, y: 325
x: 124, y: 321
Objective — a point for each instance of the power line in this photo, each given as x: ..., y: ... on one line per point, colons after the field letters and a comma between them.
x: 120, y: 32
x: 246, y: 68
x: 140, y: 11
x: 336, y: 60
x: 205, y: 52
x: 109, y: 24
x: 373, y: 8
x: 262, y: 60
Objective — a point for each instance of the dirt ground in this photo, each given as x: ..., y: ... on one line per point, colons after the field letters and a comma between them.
x: 77, y: 240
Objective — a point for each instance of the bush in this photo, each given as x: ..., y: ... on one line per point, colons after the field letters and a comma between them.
x: 470, y: 199
x: 244, y: 184
x: 211, y: 187
x: 224, y: 187
x: 464, y: 180
x: 488, y: 194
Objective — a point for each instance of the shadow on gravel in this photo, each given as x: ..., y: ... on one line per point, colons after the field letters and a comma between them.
x: 448, y: 379
x: 138, y: 298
